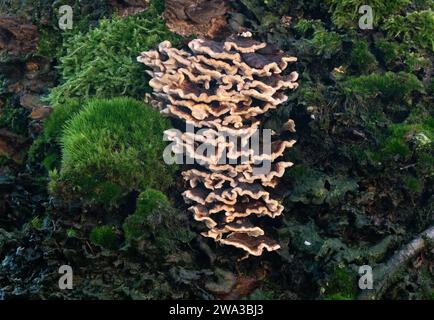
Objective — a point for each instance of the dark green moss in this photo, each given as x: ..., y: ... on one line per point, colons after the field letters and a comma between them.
x: 390, y: 51
x: 260, y: 294
x: 413, y: 184
x: 159, y: 5
x: 156, y: 220
x: 50, y: 42
x: 105, y: 237
x: 415, y: 29
x: 71, y: 233
x: 338, y: 296
x: 322, y: 42
x: 361, y: 58
x: 341, y: 285
x: 394, y: 54
x: 425, y: 161
x: 14, y: 118
x: 36, y: 223
x: 148, y: 201
x: 430, y: 87
x: 345, y: 13
x: 315, y: 187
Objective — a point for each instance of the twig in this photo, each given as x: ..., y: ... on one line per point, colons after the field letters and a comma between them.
x: 399, y: 259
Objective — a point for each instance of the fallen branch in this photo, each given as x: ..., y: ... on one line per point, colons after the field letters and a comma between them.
x: 387, y: 273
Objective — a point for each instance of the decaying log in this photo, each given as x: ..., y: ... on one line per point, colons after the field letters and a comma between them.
x: 13, y: 146
x: 205, y: 18
x: 17, y: 36
x: 129, y: 7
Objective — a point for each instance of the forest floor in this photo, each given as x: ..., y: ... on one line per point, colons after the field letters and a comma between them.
x: 360, y: 193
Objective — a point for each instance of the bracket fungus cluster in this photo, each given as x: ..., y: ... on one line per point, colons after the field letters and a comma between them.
x: 221, y: 89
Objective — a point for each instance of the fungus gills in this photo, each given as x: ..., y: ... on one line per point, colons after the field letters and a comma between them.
x: 223, y: 88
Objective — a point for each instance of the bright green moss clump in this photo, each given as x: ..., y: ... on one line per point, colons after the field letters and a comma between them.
x: 341, y: 286
x: 110, y: 148
x: 402, y: 135
x: 389, y: 85
x: 406, y: 140
x: 102, y: 62
x: 151, y: 200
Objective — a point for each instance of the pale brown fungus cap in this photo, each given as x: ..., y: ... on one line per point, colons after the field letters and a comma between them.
x: 224, y: 88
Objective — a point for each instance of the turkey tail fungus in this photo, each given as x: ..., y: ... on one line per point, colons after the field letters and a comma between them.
x: 222, y: 88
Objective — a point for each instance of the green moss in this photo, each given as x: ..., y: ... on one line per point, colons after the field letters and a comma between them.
x: 322, y: 42
x: 424, y: 4
x: 345, y: 13
x: 311, y: 94
x: 156, y: 220
x: 304, y: 26
x: 393, y: 54
x: 409, y: 143
x: 405, y: 138
x: 361, y: 58
x: 46, y: 147
x: 261, y: 10
x: 390, y: 51
x: 14, y: 118
x: 390, y: 85
x: 416, y: 28
x: 110, y: 148
x: 36, y: 223
x: 413, y: 184
x: 50, y: 42
x: 314, y: 187
x: 102, y: 62
x: 341, y: 285
x: 415, y: 61
x: 105, y: 237
x: 71, y: 233
x: 46, y: 11
x: 425, y: 162
x: 396, y: 146
x: 327, y: 43
x: 159, y: 5
x: 53, y: 126
x: 338, y: 296
x: 430, y: 87
x: 148, y: 202
x: 260, y: 294
x: 41, y: 150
